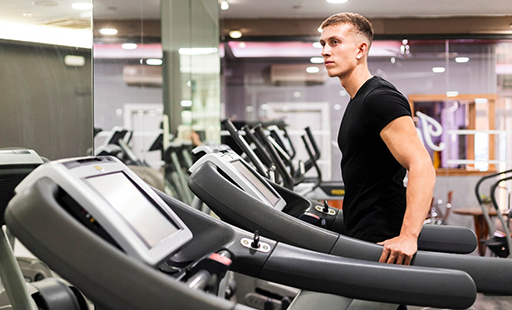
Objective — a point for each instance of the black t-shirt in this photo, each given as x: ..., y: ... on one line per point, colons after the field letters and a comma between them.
x: 374, y: 202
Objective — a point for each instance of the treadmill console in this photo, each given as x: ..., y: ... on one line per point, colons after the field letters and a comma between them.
x: 239, y: 172
x: 128, y: 210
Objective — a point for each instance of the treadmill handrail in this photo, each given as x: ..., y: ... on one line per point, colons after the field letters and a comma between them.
x: 137, y: 285
x: 251, y: 138
x: 317, y: 153
x: 121, y: 282
x: 487, y: 217
x: 498, y: 214
x: 491, y: 275
x: 287, y: 178
x: 239, y: 140
x: 315, y: 164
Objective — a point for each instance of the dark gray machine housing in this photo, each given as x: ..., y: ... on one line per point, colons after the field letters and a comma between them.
x: 238, y: 208
x: 227, y: 163
x: 39, y: 216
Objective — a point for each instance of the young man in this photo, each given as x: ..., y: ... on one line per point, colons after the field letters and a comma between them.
x: 379, y: 144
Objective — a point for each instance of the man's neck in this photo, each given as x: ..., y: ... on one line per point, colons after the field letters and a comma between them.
x: 355, y: 80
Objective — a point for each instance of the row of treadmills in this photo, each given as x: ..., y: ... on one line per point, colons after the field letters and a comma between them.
x: 125, y: 245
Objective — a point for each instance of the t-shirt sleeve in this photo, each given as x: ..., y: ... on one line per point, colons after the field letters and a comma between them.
x: 385, y: 106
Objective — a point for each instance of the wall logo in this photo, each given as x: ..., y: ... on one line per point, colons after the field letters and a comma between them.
x: 430, y: 128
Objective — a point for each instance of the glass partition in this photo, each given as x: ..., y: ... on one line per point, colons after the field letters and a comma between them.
x: 156, y: 85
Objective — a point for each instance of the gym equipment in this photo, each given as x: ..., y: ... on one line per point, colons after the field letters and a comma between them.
x: 216, y: 187
x: 497, y: 242
x: 118, y: 260
x: 500, y: 245
x: 116, y: 144
x: 27, y: 282
x: 230, y: 166
x: 317, y: 189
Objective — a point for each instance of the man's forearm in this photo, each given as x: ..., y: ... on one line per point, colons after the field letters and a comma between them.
x: 420, y: 189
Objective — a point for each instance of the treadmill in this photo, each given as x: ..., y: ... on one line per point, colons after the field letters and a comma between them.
x: 27, y: 283
x: 240, y: 196
x: 127, y: 246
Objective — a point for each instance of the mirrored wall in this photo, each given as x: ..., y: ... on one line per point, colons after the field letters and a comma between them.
x: 46, y: 74
x: 156, y: 85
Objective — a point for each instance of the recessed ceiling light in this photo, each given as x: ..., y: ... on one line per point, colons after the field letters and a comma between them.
x: 224, y: 5
x: 74, y: 60
x: 312, y: 69
x: 186, y: 103
x: 316, y: 60
x: 81, y: 6
x: 452, y: 93
x: 438, y: 69
x: 235, y: 34
x: 108, y: 31
x: 154, y: 62
x: 461, y: 59
x: 336, y: 1
x: 27, y: 14
x: 129, y: 46
x: 317, y: 45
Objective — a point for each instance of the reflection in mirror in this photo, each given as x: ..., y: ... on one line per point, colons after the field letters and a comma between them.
x: 156, y: 85
x: 45, y: 94
x: 128, y: 110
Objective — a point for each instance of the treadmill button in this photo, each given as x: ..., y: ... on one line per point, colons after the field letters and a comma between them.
x: 262, y: 246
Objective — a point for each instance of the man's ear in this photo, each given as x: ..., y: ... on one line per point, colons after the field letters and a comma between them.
x: 362, y: 50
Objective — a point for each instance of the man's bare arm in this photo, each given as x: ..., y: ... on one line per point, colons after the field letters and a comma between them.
x: 402, y: 140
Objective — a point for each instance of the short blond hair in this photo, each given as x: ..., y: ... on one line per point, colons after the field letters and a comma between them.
x: 360, y: 24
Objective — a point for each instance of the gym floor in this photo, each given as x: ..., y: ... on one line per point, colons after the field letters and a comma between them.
x: 483, y: 302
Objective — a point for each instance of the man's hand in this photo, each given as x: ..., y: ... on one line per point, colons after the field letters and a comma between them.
x: 398, y: 250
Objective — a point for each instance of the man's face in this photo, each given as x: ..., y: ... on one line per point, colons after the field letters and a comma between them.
x: 340, y: 49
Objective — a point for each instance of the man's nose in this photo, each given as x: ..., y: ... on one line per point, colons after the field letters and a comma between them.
x: 326, y: 51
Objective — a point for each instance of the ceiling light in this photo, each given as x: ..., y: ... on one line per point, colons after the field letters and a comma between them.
x: 317, y: 45
x: 154, y: 62
x: 336, y: 1
x: 452, y: 93
x: 27, y: 14
x: 129, y: 46
x: 108, y: 31
x: 74, y: 60
x: 197, y: 50
x: 81, y: 6
x: 186, y: 103
x: 224, y: 5
x: 235, y: 34
x: 312, y: 69
x: 438, y: 69
x: 242, y: 45
x: 316, y: 60
x: 461, y: 59
x: 319, y: 29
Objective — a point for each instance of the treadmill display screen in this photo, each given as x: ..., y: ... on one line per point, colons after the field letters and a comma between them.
x: 151, y: 225
x: 254, y: 180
